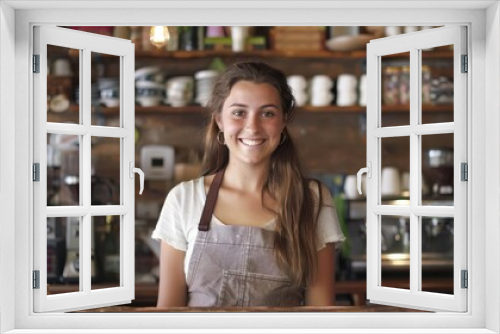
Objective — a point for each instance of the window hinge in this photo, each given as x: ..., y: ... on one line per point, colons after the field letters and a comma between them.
x: 36, y: 279
x: 36, y: 172
x: 464, y: 171
x: 465, y: 64
x: 465, y: 279
x: 36, y: 63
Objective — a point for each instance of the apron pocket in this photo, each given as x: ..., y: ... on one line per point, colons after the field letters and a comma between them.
x: 240, y: 288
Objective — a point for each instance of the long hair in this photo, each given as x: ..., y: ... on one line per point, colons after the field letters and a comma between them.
x: 297, y: 210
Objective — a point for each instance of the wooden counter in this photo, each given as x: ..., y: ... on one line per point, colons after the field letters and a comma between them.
x: 131, y: 309
x: 146, y: 294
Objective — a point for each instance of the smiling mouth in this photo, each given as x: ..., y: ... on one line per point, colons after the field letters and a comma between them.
x: 251, y: 142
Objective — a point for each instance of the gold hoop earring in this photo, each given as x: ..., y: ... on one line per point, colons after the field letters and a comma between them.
x: 222, y: 142
x: 283, y: 139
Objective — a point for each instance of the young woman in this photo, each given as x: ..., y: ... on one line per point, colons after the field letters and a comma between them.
x: 252, y: 231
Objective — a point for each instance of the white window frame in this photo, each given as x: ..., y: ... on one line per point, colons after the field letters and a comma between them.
x: 415, y: 131
x: 124, y: 51
x: 16, y: 240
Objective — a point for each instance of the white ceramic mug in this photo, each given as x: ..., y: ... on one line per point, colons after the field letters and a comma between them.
x: 390, y: 182
x: 346, y: 98
x: 321, y: 82
x: 346, y: 81
x: 239, y: 37
x: 297, y: 82
x: 409, y: 29
x: 405, y: 181
x: 350, y: 187
x: 300, y: 97
x: 321, y: 98
x: 362, y: 90
x: 392, y: 30
x: 62, y: 67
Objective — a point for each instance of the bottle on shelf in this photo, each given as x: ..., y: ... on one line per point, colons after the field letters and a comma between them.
x: 136, y: 37
x: 111, y: 251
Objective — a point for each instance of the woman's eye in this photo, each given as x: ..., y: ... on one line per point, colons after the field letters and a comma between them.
x: 238, y: 113
x: 268, y: 114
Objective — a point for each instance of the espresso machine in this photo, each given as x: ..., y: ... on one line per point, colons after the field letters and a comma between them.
x: 438, y: 170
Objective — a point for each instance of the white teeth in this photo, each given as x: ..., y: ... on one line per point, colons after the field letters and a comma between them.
x: 252, y: 142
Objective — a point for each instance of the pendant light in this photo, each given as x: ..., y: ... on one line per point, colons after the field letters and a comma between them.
x: 159, y: 36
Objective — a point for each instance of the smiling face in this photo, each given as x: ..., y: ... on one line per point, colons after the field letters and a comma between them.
x: 252, y: 120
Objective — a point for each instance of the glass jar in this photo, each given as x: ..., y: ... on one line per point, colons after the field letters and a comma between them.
x: 426, y: 84
x: 404, y: 85
x: 390, y: 85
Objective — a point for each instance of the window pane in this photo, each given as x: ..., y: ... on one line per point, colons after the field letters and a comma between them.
x: 395, y: 251
x: 106, y: 236
x: 437, y: 86
x: 105, y: 188
x: 63, y: 252
x: 63, y: 66
x: 105, y: 89
x: 437, y: 255
x: 63, y: 170
x: 395, y: 89
x: 437, y: 169
x: 395, y: 166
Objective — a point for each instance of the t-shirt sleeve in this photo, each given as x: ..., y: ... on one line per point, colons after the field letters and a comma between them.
x: 329, y: 230
x: 169, y: 227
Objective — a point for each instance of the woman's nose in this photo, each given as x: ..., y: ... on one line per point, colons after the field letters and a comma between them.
x: 252, y: 123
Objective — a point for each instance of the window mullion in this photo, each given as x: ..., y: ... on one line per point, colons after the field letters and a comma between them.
x: 127, y: 121
x: 415, y: 171
x: 86, y: 173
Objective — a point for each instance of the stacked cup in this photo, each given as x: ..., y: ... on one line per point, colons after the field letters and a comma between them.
x: 148, y: 93
x: 298, y: 84
x: 109, y: 90
x: 363, y: 90
x: 346, y: 90
x: 148, y: 87
x: 320, y: 90
x: 390, y: 182
x: 180, y: 91
x: 205, y: 81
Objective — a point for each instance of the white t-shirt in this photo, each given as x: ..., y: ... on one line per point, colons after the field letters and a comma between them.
x: 181, y: 212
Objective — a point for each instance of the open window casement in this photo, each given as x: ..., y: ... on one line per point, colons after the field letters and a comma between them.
x: 418, y: 216
x: 63, y: 149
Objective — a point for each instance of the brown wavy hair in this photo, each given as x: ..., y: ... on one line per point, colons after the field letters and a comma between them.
x: 297, y: 214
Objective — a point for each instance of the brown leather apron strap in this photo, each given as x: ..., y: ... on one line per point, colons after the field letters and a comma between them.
x: 208, y: 209
x: 320, y: 194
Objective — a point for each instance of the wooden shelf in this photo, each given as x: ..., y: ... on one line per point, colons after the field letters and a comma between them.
x: 162, y: 109
x: 429, y: 108
x: 274, y: 54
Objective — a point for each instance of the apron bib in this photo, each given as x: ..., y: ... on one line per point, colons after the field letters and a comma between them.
x: 235, y: 265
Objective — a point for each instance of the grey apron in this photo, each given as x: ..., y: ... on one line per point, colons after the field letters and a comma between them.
x: 235, y: 265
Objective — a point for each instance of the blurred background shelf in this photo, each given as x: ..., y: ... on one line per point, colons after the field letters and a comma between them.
x: 164, y: 109
x: 274, y: 54
x: 330, y: 139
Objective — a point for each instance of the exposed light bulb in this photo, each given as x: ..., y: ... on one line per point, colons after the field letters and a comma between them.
x: 159, y: 36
